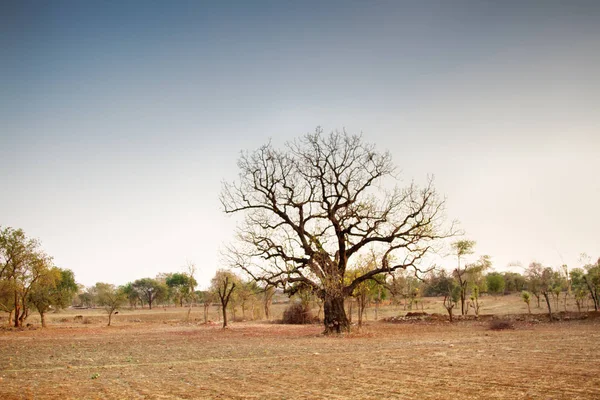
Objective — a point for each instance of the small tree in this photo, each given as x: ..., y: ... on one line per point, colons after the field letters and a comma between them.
x: 440, y: 284
x: 22, y: 264
x: 475, y: 304
x: 207, y: 298
x: 462, y: 248
x: 191, y: 292
x: 53, y: 290
x: 544, y: 278
x: 451, y: 298
x: 181, y: 286
x: 592, y: 281
x: 526, y: 296
x: 111, y: 298
x: 579, y: 287
x: 246, y: 295
x: 223, y: 284
x: 267, y: 295
x: 150, y: 290
x: 131, y: 294
x: 495, y: 283
x: 558, y: 283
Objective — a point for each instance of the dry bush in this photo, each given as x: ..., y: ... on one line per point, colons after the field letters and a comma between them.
x: 501, y: 324
x: 298, y: 314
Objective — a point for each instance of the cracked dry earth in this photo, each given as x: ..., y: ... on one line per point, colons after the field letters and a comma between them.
x: 257, y: 361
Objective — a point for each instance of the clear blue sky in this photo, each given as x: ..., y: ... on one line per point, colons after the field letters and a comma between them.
x: 119, y: 120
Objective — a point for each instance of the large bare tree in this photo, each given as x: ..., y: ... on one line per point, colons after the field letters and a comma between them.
x: 313, y: 206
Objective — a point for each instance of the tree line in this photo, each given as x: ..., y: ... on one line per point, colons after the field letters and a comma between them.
x: 29, y: 280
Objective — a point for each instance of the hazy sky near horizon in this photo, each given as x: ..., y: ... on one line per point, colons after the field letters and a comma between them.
x: 120, y: 120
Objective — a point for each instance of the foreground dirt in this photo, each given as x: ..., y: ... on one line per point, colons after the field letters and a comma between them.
x: 405, y: 361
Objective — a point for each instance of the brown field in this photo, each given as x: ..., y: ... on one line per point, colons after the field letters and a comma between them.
x: 157, y: 355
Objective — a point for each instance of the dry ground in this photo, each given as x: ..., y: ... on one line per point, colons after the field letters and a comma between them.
x: 175, y: 360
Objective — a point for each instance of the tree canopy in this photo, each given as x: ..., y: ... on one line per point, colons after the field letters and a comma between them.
x: 313, y: 206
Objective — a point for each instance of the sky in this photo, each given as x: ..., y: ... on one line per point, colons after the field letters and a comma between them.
x: 119, y: 121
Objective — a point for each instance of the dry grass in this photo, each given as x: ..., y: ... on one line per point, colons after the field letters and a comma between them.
x: 158, y: 355
x: 153, y: 360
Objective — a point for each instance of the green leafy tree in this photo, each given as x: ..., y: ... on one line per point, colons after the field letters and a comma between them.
x: 592, y: 281
x: 544, y: 278
x: 22, y: 264
x: 53, y: 290
x: 526, y: 296
x: 461, y: 249
x: 468, y: 275
x: 150, y: 290
x: 495, y: 283
x: 579, y: 287
x: 366, y: 291
x: 474, y: 300
x: 132, y: 294
x: 514, y: 282
x: 111, y: 298
x: 558, y: 285
x: 181, y: 286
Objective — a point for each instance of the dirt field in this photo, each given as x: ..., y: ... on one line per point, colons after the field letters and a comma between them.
x: 175, y: 360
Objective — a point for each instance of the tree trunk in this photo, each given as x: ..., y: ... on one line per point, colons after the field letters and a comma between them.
x: 528, y: 309
x: 335, y: 320
x: 224, y: 307
x: 463, y: 298
x: 109, y: 318
x: 206, y: 313
x: 17, y: 310
x: 43, y: 318
x: 548, y: 303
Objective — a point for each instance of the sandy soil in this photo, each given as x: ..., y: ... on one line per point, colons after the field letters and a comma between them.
x: 422, y: 360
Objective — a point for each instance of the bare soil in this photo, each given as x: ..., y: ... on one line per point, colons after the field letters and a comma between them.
x: 413, y: 360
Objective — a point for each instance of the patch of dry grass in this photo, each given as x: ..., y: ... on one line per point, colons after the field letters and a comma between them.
x: 257, y: 360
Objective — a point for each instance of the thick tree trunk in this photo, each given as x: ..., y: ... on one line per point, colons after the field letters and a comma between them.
x: 109, y: 318
x: 43, y: 318
x: 335, y: 320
